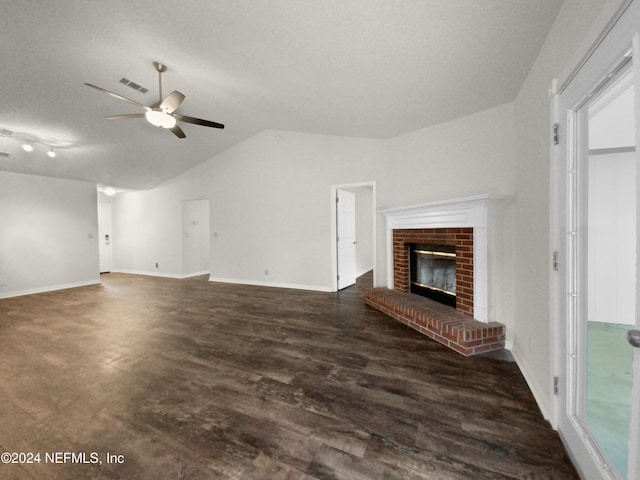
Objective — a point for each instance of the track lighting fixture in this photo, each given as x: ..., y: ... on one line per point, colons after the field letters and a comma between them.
x: 30, y: 143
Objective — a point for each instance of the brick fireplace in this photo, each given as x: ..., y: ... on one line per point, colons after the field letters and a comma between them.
x: 459, y: 238
x: 465, y: 224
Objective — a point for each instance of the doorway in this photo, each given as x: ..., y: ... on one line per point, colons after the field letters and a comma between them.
x: 346, y: 237
x: 359, y: 256
x: 596, y: 198
x: 195, y: 238
x: 105, y: 237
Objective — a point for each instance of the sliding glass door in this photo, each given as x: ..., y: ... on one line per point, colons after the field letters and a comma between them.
x: 597, y: 194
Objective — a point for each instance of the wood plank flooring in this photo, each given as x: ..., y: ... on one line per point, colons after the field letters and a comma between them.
x: 189, y: 379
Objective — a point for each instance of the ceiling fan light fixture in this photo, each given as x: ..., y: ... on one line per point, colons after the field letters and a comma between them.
x: 162, y: 113
x: 51, y: 153
x: 160, y: 118
x: 27, y: 147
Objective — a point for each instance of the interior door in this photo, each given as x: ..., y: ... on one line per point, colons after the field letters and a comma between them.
x: 598, y: 292
x: 105, y: 238
x: 195, y: 237
x: 346, y: 232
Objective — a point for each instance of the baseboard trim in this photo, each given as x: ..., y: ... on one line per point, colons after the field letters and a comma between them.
x: 195, y: 274
x: 50, y: 288
x: 362, y: 272
x: 148, y: 273
x: 295, y: 286
x: 541, y: 400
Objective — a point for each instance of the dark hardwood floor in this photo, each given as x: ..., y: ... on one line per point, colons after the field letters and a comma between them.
x: 189, y: 379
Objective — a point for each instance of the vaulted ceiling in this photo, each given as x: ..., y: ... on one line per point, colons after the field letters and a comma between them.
x: 363, y: 68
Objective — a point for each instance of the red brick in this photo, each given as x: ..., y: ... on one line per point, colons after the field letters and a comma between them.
x: 443, y: 324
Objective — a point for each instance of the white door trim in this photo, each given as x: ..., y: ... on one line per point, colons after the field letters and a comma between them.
x: 333, y: 230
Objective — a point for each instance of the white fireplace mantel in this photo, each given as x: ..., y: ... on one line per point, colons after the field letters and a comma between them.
x: 469, y: 212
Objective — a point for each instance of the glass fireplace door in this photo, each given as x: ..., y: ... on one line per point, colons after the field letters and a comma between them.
x: 433, y: 272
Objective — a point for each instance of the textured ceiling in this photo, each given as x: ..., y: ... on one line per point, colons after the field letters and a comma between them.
x: 366, y: 68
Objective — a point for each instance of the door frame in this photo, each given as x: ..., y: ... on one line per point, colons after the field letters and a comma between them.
x: 333, y: 228
x: 102, y: 206
x: 205, y: 204
x: 602, y: 57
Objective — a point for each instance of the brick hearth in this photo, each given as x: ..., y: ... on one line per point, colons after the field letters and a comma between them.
x: 442, y: 323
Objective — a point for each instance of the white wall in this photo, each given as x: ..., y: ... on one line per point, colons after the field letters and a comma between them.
x: 364, y: 229
x: 270, y: 212
x: 271, y: 205
x: 468, y: 156
x: 48, y: 234
x: 147, y: 230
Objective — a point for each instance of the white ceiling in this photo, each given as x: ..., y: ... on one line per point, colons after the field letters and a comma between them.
x: 366, y: 68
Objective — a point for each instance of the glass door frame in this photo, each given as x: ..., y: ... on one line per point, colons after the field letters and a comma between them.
x: 568, y: 280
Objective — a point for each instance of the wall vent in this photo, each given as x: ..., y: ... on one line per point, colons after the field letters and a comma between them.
x: 4, y: 154
x: 133, y: 85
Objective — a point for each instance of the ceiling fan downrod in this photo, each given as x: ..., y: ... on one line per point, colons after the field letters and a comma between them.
x: 160, y: 67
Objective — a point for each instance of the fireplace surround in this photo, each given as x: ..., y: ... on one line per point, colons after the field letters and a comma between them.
x: 469, y: 220
x: 464, y: 226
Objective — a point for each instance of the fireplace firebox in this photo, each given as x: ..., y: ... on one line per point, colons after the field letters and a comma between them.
x: 433, y: 272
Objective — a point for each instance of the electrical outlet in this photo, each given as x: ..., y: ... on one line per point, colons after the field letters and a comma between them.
x: 156, y: 264
x: 531, y: 344
x: 266, y: 272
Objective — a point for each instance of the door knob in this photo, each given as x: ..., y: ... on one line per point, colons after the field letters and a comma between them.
x: 633, y: 337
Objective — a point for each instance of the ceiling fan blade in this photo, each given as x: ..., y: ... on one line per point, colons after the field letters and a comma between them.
x: 198, y: 121
x: 172, y: 101
x: 119, y: 97
x: 122, y: 117
x: 177, y: 131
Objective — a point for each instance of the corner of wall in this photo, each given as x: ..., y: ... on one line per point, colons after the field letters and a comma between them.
x: 532, y: 380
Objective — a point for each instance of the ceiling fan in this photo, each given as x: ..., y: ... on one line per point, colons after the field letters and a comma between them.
x: 163, y: 112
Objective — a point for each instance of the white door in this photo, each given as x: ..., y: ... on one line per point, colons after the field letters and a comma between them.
x: 346, y: 232
x: 596, y: 195
x: 105, y: 237
x: 195, y: 237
